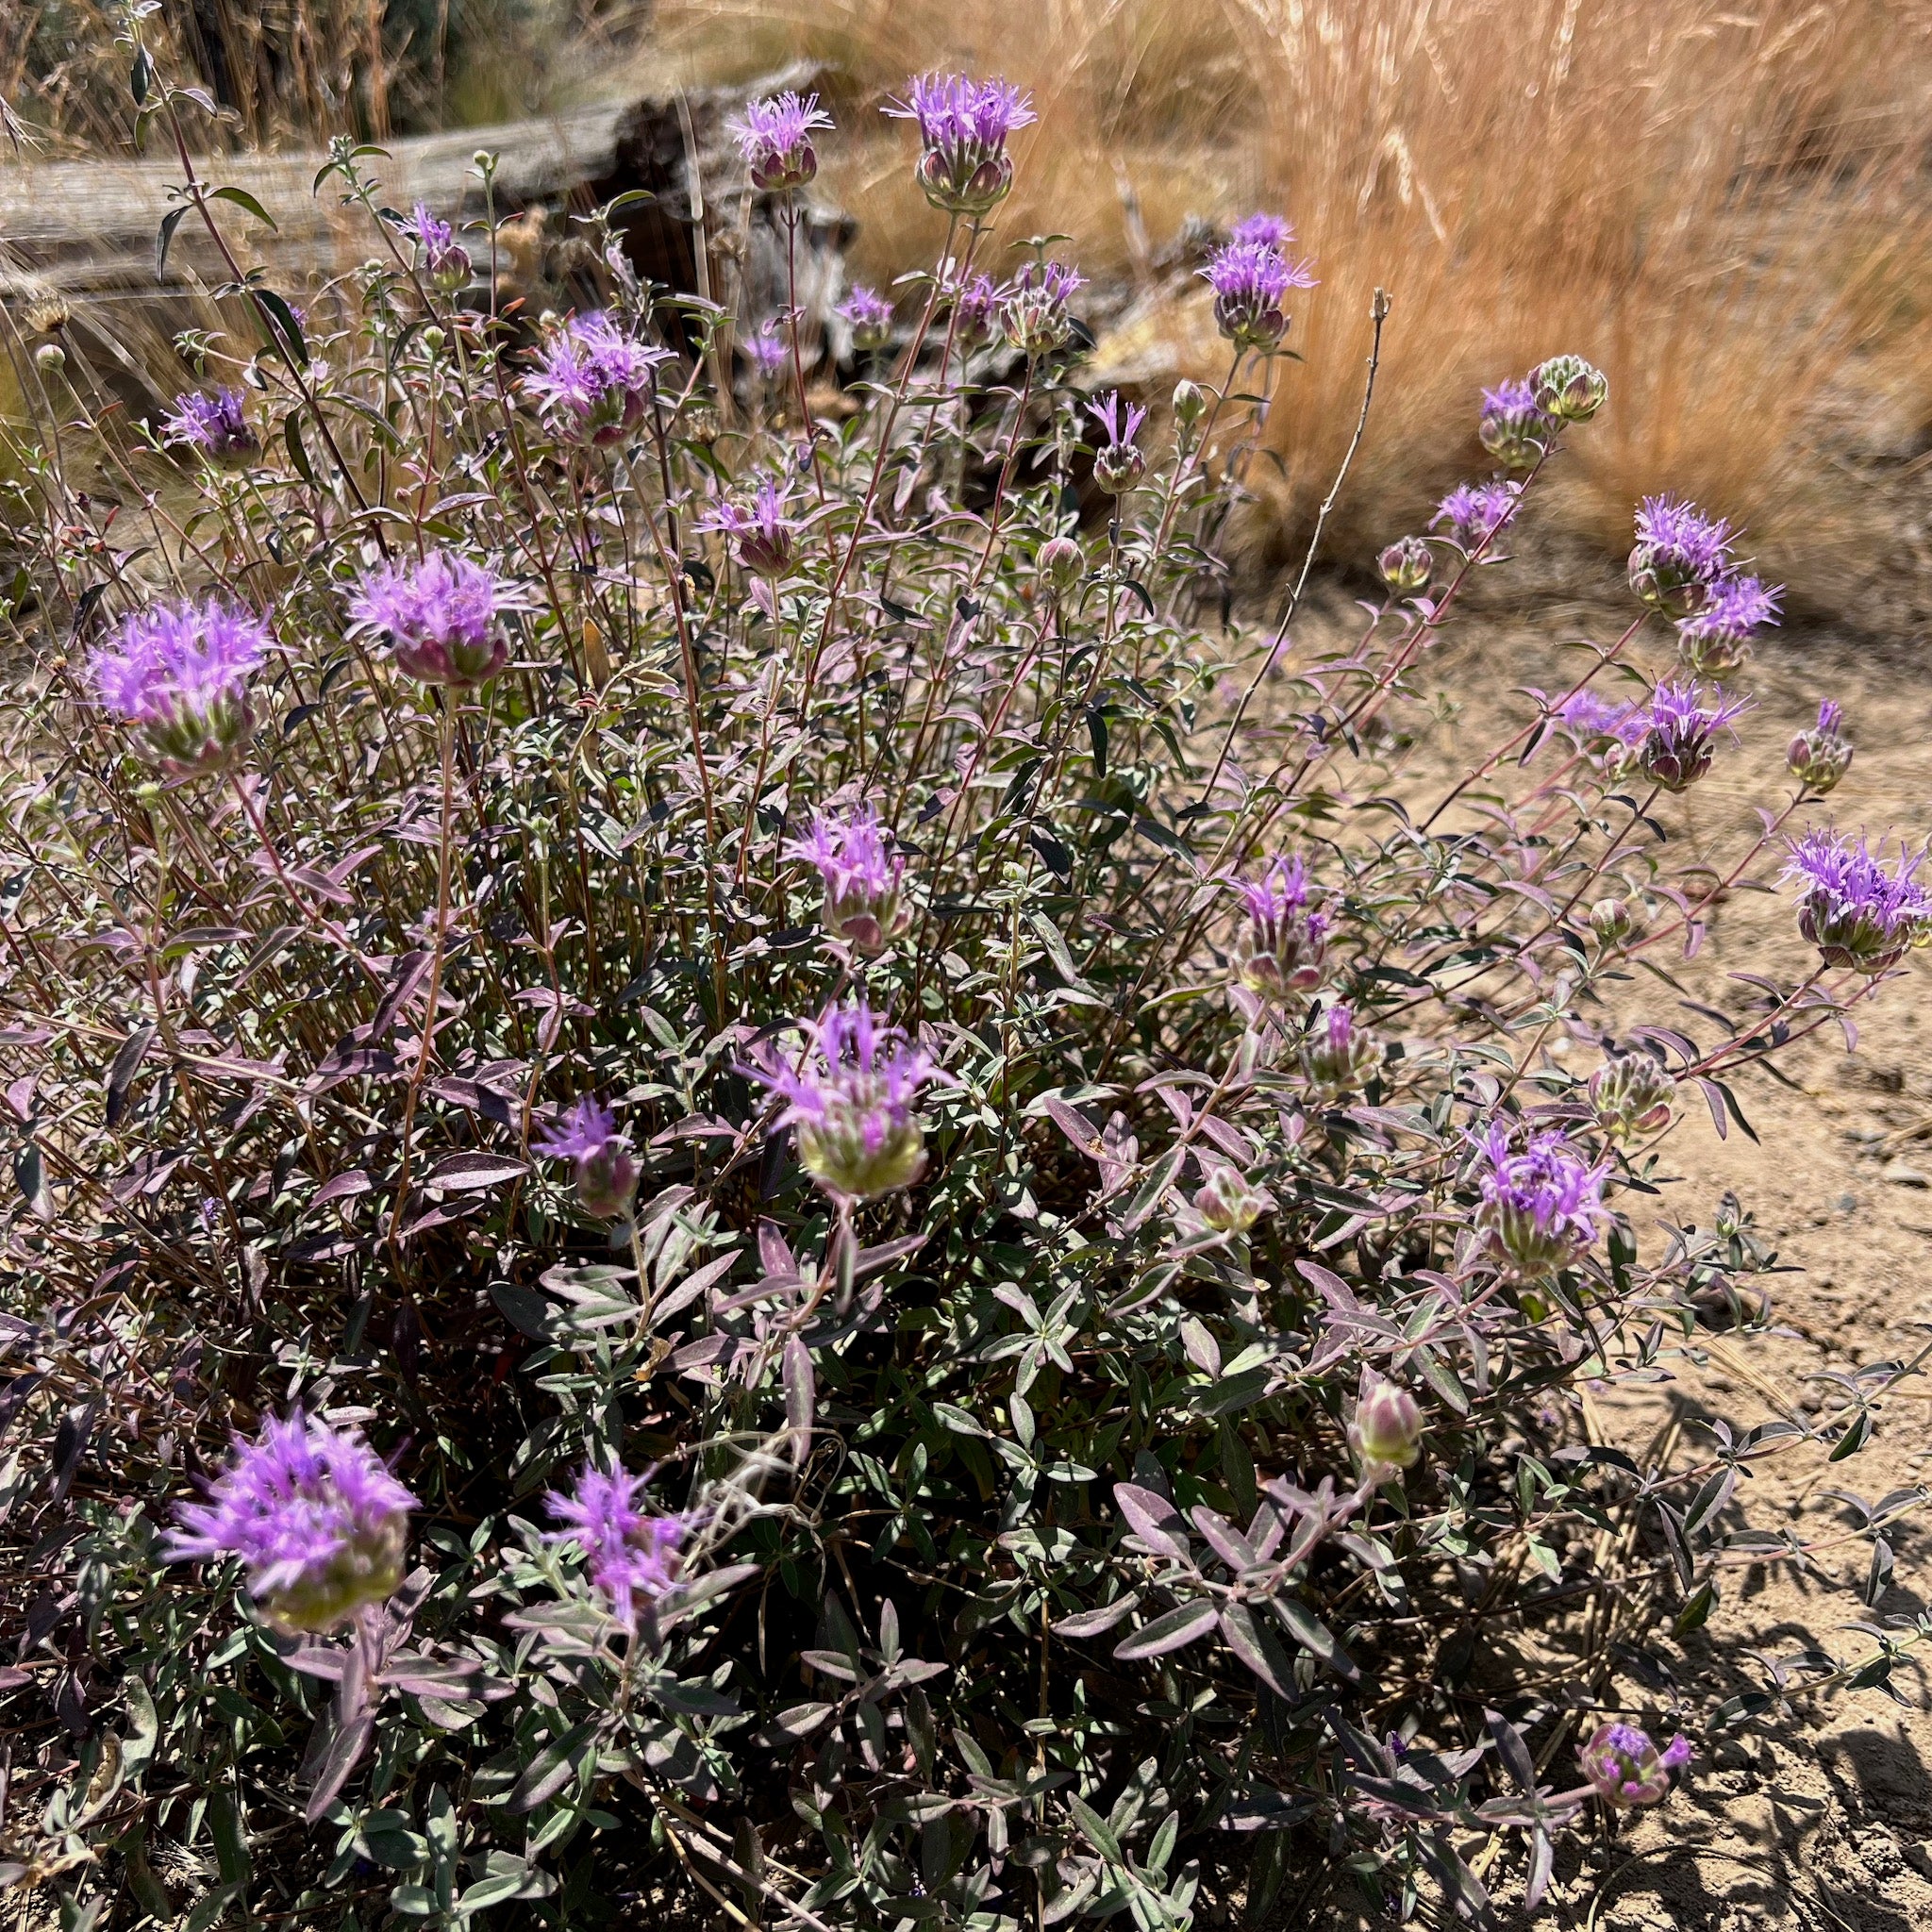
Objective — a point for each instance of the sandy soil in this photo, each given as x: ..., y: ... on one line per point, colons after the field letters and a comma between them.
x: 1821, y: 1817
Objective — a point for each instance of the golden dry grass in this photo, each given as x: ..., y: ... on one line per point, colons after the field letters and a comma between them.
x: 1726, y: 207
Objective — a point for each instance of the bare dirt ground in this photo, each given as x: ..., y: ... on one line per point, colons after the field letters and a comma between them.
x: 1821, y: 1817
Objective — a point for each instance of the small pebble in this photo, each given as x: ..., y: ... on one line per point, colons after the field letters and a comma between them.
x: 1900, y: 1175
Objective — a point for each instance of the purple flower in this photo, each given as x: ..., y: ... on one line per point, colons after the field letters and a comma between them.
x: 1679, y: 557
x: 180, y: 673
x: 1033, y: 306
x: 606, y: 1173
x: 1819, y: 758
x: 630, y: 1555
x: 862, y: 879
x: 1678, y: 730
x: 978, y: 304
x: 870, y: 316
x: 963, y: 127
x: 774, y: 136
x: 1282, y: 951
x: 1251, y: 280
x: 1540, y: 1208
x: 443, y: 255
x: 593, y: 379
x: 1717, y: 637
x: 1338, y: 1055
x: 315, y: 1515
x: 1625, y: 1768
x: 850, y: 1103
x: 768, y: 350
x: 1854, y: 911
x: 1596, y: 722
x: 1512, y: 428
x: 765, y: 537
x: 1118, y: 464
x: 1474, y: 512
x: 217, y: 424
x: 1265, y: 231
x: 442, y: 616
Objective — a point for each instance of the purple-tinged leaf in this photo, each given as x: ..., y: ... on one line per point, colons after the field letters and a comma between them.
x: 1153, y: 1519
x: 1170, y: 1631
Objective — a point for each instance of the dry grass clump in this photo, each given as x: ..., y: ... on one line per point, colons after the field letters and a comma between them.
x: 1726, y: 208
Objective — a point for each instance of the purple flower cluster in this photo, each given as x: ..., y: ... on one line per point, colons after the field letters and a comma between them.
x: 1338, y: 1055
x: 443, y: 255
x: 862, y: 879
x: 217, y: 425
x: 850, y: 1105
x: 1717, y: 637
x: 1624, y: 1767
x: 1474, y: 512
x: 1818, y: 758
x: 1604, y: 727
x: 594, y: 380
x: 1679, y: 728
x: 976, y: 305
x: 180, y: 673
x: 441, y: 615
x: 1513, y: 430
x: 870, y: 316
x: 764, y: 537
x: 1851, y: 908
x: 315, y: 1515
x: 1680, y: 556
x: 1118, y: 464
x: 1540, y: 1208
x: 768, y: 350
x: 1281, y: 953
x: 606, y: 1172
x: 1264, y: 230
x: 963, y: 128
x: 1251, y: 279
x: 631, y: 1554
x: 774, y: 136
x: 1033, y: 306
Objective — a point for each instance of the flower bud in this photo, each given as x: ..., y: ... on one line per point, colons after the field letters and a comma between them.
x: 1063, y: 562
x: 1568, y: 388
x: 1820, y: 758
x: 1614, y: 919
x: 433, y: 339
x: 1407, y: 565
x: 1117, y: 467
x: 1632, y: 1096
x: 1388, y: 1430
x: 1625, y: 1768
x: 1665, y: 583
x: 50, y: 358
x: 1229, y: 1204
x: 1338, y: 1056
x: 1189, y: 402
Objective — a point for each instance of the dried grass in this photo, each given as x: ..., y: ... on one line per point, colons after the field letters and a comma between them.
x: 1728, y: 209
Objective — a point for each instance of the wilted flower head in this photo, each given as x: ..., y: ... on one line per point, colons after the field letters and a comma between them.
x: 1680, y: 554
x: 630, y: 1555
x: 1632, y: 1096
x: 1473, y: 512
x: 1717, y: 637
x: 870, y: 316
x: 1033, y: 306
x: 217, y: 425
x: 774, y: 136
x: 443, y: 255
x: 1679, y: 729
x: 850, y: 1106
x: 442, y: 616
x: 1821, y: 756
x: 1338, y: 1055
x: 963, y: 126
x: 1852, y: 909
x: 862, y: 879
x: 1387, y: 1433
x: 764, y: 537
x: 1118, y: 464
x: 1281, y: 953
x: 315, y: 1515
x: 1228, y: 1202
x: 593, y: 379
x: 1513, y: 430
x: 1542, y: 1207
x: 1625, y: 1768
x: 180, y: 673
x: 1251, y: 281
x: 606, y: 1172
x: 1264, y: 230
